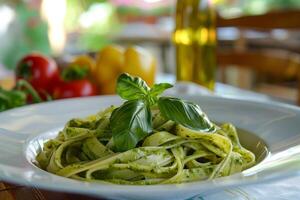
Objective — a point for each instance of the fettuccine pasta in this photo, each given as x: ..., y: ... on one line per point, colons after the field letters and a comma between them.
x: 84, y: 150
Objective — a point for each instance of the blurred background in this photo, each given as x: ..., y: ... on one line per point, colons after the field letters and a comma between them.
x: 61, y: 27
x: 66, y: 27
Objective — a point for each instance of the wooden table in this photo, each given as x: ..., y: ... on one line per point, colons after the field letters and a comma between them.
x: 16, y: 192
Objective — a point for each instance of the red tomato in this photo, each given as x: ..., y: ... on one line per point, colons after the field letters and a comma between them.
x: 75, y: 88
x: 40, y: 71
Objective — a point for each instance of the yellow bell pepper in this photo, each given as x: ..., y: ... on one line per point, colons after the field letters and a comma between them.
x: 113, y: 60
x: 109, y: 62
x: 139, y: 62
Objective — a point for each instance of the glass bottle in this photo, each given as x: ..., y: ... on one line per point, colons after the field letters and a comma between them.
x: 195, y: 42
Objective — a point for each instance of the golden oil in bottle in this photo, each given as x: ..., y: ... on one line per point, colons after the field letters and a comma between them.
x: 195, y: 42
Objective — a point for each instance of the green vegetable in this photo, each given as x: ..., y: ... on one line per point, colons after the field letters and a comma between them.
x: 185, y: 113
x: 18, y: 96
x: 24, y: 86
x: 130, y: 123
x: 11, y: 99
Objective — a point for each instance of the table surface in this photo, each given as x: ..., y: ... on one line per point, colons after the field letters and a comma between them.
x: 10, y: 191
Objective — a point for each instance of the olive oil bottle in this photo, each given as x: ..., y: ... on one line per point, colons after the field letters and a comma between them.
x: 195, y: 42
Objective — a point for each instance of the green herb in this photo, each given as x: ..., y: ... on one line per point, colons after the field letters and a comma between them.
x: 185, y: 113
x: 130, y: 123
x: 131, y: 88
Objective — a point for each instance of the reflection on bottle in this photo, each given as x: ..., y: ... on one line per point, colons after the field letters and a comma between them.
x: 195, y: 42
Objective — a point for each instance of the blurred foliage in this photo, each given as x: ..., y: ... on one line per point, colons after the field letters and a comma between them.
x: 90, y: 41
x: 27, y: 33
x: 231, y: 8
x: 269, y: 5
x: 103, y: 22
x: 283, y: 4
x: 75, y: 9
x: 123, y: 10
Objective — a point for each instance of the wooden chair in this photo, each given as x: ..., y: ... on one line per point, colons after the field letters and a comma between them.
x: 276, y: 64
x: 279, y: 19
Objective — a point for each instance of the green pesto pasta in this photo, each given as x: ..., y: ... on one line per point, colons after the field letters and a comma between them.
x: 172, y: 153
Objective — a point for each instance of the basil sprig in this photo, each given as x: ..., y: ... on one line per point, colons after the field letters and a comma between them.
x: 132, y: 121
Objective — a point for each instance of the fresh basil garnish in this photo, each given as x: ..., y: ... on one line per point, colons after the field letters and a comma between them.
x: 130, y: 123
x: 130, y: 88
x: 185, y: 113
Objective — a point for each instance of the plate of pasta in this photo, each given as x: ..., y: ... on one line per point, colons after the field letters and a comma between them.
x: 144, y: 145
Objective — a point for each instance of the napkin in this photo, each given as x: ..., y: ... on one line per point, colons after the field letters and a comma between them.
x: 287, y: 189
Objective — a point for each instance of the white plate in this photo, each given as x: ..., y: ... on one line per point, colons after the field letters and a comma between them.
x: 23, y: 130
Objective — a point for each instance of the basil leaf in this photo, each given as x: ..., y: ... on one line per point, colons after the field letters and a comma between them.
x: 130, y: 123
x: 185, y: 113
x: 131, y: 88
x: 157, y: 89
